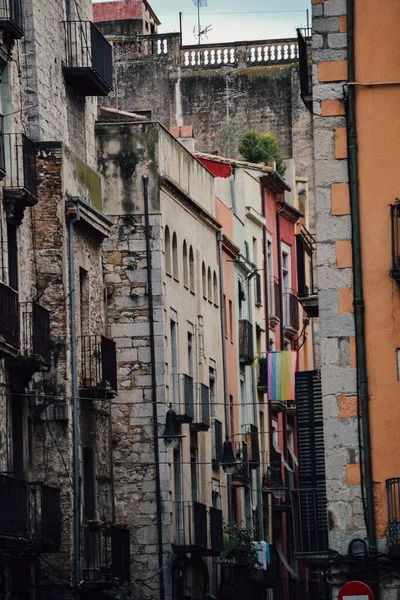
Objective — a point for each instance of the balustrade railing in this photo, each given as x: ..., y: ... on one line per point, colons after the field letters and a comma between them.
x: 198, y: 526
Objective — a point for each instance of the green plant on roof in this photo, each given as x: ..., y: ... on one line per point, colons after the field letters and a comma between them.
x: 258, y: 147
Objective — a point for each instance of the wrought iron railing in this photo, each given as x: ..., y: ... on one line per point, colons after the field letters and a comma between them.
x: 20, y: 164
x: 197, y: 526
x: 393, y: 505
x: 11, y: 17
x: 246, y: 349
x: 87, y: 48
x: 98, y: 364
x: 35, y: 331
x: 9, y: 315
x: 45, y: 516
x: 106, y: 551
x: 291, y: 307
x: 310, y: 521
x: 13, y: 508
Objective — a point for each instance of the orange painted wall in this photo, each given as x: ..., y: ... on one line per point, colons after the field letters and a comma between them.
x: 378, y: 125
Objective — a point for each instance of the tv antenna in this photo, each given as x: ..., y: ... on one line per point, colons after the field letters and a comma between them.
x: 200, y: 3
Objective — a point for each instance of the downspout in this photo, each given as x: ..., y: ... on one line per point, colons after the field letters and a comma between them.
x: 224, y: 365
x: 280, y: 275
x: 75, y: 395
x: 362, y: 377
x: 145, y: 180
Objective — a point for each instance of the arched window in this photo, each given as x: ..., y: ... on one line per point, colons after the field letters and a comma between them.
x: 204, y: 280
x: 168, y: 266
x: 209, y: 285
x: 185, y: 266
x: 175, y: 264
x: 215, y: 288
x: 191, y: 270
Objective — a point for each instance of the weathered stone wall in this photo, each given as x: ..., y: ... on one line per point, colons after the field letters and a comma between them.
x: 55, y: 111
x: 334, y: 265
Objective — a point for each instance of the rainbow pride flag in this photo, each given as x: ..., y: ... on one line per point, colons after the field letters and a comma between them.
x: 281, y: 375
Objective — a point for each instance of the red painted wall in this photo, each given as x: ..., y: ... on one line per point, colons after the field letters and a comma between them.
x: 117, y: 11
x: 217, y: 168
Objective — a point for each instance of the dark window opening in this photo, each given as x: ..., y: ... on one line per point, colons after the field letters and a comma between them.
x: 12, y: 249
x: 89, y: 507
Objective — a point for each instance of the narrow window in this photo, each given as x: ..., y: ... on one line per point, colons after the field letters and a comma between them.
x: 89, y: 497
x: 209, y: 285
x: 185, y: 266
x: 84, y: 301
x: 12, y: 249
x: 191, y: 270
x: 212, y: 375
x: 190, y: 354
x: 204, y: 280
x: 230, y: 321
x: 174, y: 363
x: 168, y: 266
x: 193, y: 466
x: 175, y: 264
x: 225, y: 318
x: 215, y: 288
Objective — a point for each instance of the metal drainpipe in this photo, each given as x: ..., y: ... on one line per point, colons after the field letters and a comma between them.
x: 280, y: 275
x: 224, y: 365
x: 75, y: 396
x: 362, y: 377
x: 145, y: 180
x: 255, y: 400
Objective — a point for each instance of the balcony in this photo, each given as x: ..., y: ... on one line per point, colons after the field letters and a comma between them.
x: 13, y: 510
x: 262, y: 382
x: 106, y: 555
x: 197, y: 529
x: 183, y: 397
x: 291, y: 313
x: 307, y: 293
x: 242, y: 476
x: 274, y: 302
x: 310, y: 524
x: 88, y: 59
x: 30, y: 512
x: 11, y: 19
x: 393, y: 504
x: 34, y: 339
x: 20, y: 182
x: 98, y: 367
x: 9, y: 322
x: 217, y: 442
x: 44, y: 516
x: 202, y: 419
x: 246, y: 349
x: 304, y: 42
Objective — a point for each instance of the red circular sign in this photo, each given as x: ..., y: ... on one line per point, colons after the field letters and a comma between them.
x: 355, y: 590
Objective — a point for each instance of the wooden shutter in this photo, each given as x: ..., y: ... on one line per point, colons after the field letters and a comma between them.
x: 311, y: 456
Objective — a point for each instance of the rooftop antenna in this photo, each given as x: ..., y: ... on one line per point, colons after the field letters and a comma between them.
x: 199, y: 3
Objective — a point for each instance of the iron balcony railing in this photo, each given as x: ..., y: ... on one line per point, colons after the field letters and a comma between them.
x: 20, y: 166
x: 242, y: 473
x: 393, y: 506
x: 198, y: 528
x: 9, y: 316
x: 98, y: 366
x: 11, y: 18
x: 88, y: 59
x: 106, y: 554
x: 45, y: 516
x: 13, y: 508
x: 246, y: 350
x: 291, y: 308
x: 310, y: 522
x: 35, y: 331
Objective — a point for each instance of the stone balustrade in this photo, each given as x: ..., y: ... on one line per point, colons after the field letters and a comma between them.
x: 236, y: 54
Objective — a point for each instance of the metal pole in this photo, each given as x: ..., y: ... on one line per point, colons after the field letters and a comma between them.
x: 75, y: 398
x: 224, y: 365
x: 145, y: 180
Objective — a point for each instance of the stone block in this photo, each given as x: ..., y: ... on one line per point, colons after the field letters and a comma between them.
x: 326, y: 25
x: 341, y: 142
x: 326, y: 255
x: 333, y: 228
x: 333, y: 70
x: 324, y: 55
x: 332, y: 108
x: 346, y: 300
x: 317, y: 11
x: 348, y: 407
x: 317, y: 41
x: 337, y: 40
x: 324, y: 144
x: 340, y: 199
x: 338, y: 381
x: 330, y: 171
x: 344, y: 257
x: 340, y: 325
x: 327, y: 91
x: 334, y: 7
x: 330, y: 351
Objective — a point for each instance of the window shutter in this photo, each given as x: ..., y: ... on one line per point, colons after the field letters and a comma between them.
x: 258, y: 289
x: 255, y: 448
x: 311, y: 455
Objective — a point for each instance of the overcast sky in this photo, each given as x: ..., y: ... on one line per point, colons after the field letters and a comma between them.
x: 242, y: 19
